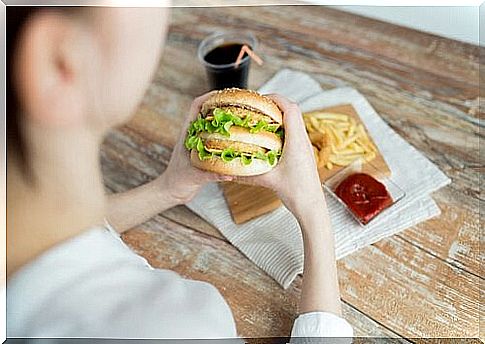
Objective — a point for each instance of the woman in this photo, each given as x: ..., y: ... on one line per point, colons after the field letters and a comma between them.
x: 72, y: 75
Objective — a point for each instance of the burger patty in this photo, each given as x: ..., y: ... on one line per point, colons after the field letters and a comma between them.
x: 215, y: 145
x: 243, y: 112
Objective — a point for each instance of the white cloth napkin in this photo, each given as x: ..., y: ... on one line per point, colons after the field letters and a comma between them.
x: 273, y: 241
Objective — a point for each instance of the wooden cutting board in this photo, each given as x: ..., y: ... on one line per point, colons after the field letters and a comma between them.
x: 247, y: 202
x: 378, y: 164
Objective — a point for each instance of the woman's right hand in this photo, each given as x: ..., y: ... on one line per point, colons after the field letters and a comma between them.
x: 295, y: 178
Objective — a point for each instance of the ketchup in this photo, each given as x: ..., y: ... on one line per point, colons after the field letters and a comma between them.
x: 365, y: 196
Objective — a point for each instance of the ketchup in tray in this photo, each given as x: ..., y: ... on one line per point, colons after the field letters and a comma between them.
x: 364, y: 196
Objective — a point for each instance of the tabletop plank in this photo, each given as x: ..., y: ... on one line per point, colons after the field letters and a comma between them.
x: 426, y: 279
x: 411, y: 291
x: 454, y: 236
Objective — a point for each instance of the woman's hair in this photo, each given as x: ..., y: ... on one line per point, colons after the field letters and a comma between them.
x: 16, y: 17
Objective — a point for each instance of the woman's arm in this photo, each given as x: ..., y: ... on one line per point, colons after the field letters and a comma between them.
x: 130, y: 208
x: 297, y: 183
x: 320, y: 290
x: 177, y: 185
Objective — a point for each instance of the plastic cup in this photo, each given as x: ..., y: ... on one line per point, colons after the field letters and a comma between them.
x: 226, y: 74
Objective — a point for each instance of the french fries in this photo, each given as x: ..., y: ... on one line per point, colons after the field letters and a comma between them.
x: 337, y: 139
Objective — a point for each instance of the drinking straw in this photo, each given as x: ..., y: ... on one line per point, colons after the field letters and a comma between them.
x: 251, y: 54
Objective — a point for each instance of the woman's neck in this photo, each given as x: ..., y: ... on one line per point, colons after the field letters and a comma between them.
x: 61, y: 197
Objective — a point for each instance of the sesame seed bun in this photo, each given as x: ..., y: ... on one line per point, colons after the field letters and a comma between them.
x: 249, y: 99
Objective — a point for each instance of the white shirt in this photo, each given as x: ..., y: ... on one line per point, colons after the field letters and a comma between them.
x: 93, y: 285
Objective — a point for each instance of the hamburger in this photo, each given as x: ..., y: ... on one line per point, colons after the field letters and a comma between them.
x: 238, y: 132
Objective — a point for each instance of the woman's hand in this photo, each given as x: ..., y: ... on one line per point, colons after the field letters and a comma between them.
x: 181, y: 179
x: 177, y: 185
x: 295, y: 178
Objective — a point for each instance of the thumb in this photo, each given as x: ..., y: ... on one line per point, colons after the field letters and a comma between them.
x: 292, y: 117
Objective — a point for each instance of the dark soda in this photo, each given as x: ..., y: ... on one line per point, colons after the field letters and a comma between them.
x: 221, y: 69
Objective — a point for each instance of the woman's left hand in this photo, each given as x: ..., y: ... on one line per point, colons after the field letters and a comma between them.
x: 181, y: 179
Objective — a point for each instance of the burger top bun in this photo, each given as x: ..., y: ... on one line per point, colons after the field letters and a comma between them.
x: 246, y: 99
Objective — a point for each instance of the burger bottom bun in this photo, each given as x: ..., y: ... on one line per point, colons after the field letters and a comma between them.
x: 232, y: 168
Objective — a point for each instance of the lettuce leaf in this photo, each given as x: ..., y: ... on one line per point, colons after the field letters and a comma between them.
x: 246, y: 160
x: 223, y: 116
x: 209, y: 127
x: 261, y: 125
x: 203, y: 153
x: 195, y: 142
x: 245, y: 122
x: 272, y: 128
x: 272, y: 157
x: 228, y: 125
x: 280, y: 132
x: 222, y: 121
x: 260, y: 156
x: 228, y: 155
x: 191, y: 142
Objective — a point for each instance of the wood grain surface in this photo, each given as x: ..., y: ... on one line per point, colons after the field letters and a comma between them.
x: 423, y: 282
x: 247, y: 202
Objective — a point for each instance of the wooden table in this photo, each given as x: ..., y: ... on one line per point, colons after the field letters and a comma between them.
x: 423, y: 282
